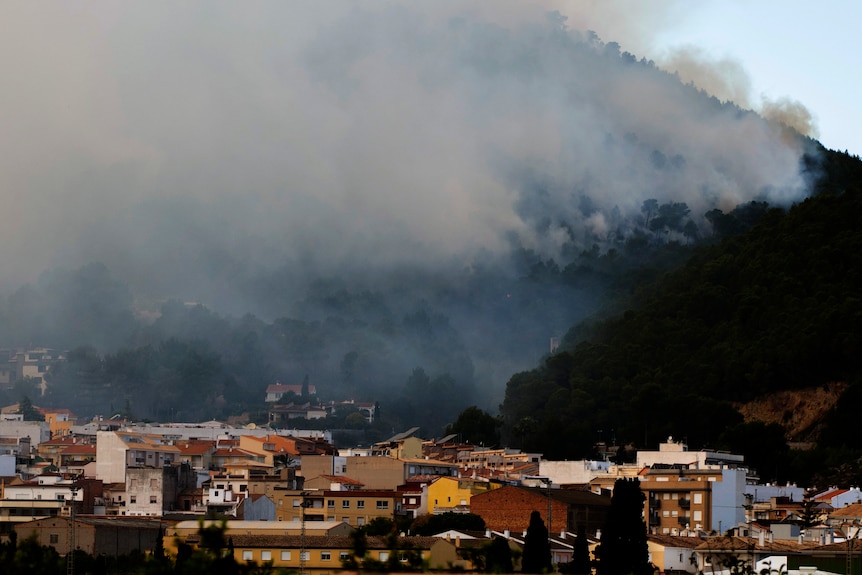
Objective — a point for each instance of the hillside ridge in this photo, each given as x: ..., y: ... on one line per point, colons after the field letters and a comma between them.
x: 799, y: 411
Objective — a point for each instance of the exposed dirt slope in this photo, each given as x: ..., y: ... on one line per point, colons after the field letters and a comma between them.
x: 798, y: 411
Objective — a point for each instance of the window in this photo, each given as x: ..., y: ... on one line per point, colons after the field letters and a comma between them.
x: 330, y: 517
x: 384, y: 555
x: 153, y: 500
x: 343, y: 556
x: 54, y: 538
x: 360, y: 504
x: 345, y: 520
x: 296, y: 503
x: 266, y: 555
x: 133, y: 499
x: 674, y: 513
x: 382, y: 504
x: 325, y: 556
x: 360, y: 521
x: 665, y: 496
x: 133, y: 483
x: 330, y: 503
x: 304, y: 555
x: 674, y: 496
x: 697, y: 515
x: 345, y: 504
x: 697, y: 498
x: 247, y: 555
x: 154, y: 483
x: 285, y: 555
x: 665, y: 513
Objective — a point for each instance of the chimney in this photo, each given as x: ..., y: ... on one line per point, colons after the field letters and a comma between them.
x: 771, y: 537
x: 599, y: 534
x: 761, y: 539
x: 563, y: 534
x: 506, y: 533
x: 457, y: 541
x: 488, y: 533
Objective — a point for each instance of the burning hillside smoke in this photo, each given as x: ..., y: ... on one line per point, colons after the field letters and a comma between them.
x: 188, y: 146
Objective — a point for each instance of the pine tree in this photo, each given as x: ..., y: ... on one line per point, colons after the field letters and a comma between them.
x: 623, y: 546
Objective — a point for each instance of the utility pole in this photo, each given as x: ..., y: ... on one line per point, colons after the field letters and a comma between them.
x: 70, y: 557
x: 302, y: 550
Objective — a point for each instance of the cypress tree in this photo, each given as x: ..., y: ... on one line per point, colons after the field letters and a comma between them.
x: 537, y: 549
x: 623, y: 546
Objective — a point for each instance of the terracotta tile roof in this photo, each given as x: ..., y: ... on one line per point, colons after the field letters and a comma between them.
x: 196, y: 448
x: 342, y: 480
x: 675, y: 541
x: 79, y: 449
x: 233, y: 452
x: 852, y: 510
x: 734, y: 543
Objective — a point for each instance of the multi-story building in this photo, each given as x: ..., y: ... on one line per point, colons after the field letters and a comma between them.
x: 94, y: 535
x: 33, y: 364
x: 453, y: 494
x: 354, y: 507
x: 375, y: 472
x: 154, y: 491
x: 116, y: 451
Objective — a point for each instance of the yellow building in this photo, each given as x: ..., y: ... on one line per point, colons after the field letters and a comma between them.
x: 60, y: 421
x: 453, y: 493
x: 324, y: 555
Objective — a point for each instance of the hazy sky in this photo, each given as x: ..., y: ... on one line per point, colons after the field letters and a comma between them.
x: 216, y: 139
x: 796, y: 49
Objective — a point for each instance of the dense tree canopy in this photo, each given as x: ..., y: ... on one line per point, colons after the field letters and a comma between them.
x: 771, y: 309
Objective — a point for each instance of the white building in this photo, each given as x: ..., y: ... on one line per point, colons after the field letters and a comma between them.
x: 117, y: 451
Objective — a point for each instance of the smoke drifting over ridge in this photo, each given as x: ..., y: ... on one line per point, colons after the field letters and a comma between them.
x: 190, y: 146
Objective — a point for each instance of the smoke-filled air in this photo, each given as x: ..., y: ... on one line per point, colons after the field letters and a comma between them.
x: 304, y: 161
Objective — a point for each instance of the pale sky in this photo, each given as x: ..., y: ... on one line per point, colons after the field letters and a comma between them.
x: 805, y: 51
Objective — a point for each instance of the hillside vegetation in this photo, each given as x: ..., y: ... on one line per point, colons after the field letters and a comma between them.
x: 773, y: 309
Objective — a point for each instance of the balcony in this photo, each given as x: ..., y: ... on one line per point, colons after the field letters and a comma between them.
x: 685, y: 503
x: 654, y: 503
x: 683, y: 520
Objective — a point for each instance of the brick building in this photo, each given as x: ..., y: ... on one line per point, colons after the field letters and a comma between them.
x: 510, y: 507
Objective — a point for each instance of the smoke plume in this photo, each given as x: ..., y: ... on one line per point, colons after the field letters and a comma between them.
x: 190, y: 146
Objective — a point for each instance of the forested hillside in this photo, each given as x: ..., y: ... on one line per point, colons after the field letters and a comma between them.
x: 772, y: 309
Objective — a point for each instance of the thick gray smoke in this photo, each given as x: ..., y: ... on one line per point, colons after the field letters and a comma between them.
x: 187, y: 145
